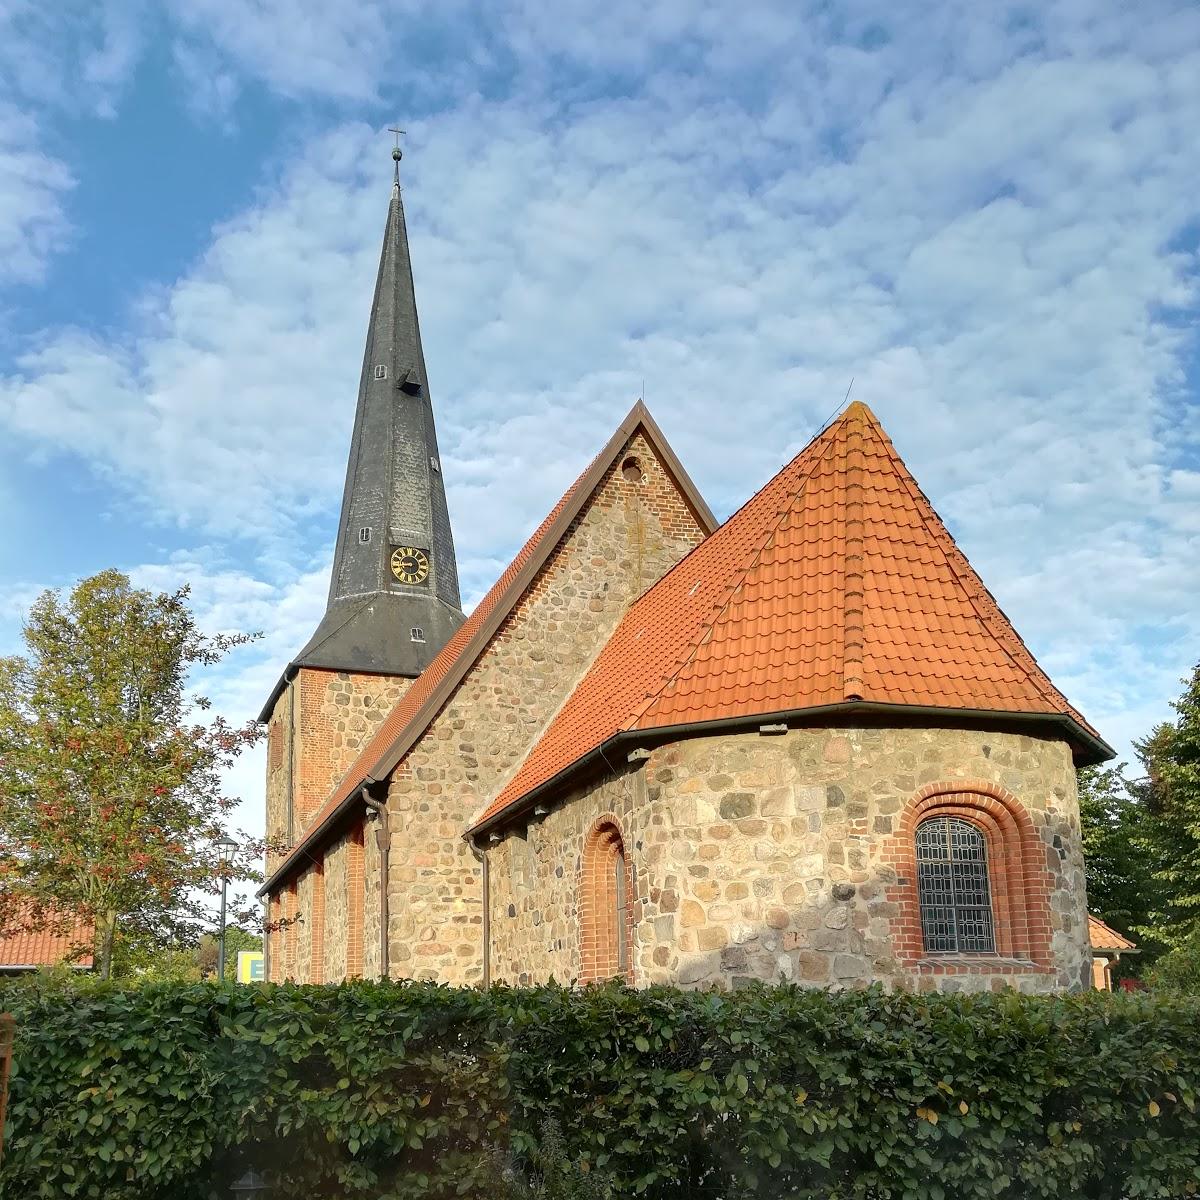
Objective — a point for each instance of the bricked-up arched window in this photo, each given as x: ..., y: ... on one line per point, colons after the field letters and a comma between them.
x: 605, y: 905
x: 953, y: 888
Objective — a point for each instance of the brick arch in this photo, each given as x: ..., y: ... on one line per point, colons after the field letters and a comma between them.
x: 603, y: 927
x: 1020, y: 879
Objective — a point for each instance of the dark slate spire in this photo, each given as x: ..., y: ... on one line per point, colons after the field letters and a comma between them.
x: 394, y: 499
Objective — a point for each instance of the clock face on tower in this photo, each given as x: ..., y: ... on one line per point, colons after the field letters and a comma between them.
x: 409, y: 564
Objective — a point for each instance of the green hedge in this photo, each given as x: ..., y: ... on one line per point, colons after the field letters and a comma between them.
x: 370, y: 1090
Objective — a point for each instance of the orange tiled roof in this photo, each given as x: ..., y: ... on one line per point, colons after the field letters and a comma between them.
x: 1102, y: 937
x: 836, y: 583
x: 44, y: 948
x: 410, y: 716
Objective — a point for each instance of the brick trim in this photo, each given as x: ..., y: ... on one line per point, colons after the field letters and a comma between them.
x: 598, y: 947
x: 1020, y: 879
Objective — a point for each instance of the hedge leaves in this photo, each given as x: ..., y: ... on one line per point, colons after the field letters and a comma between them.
x: 416, y: 1090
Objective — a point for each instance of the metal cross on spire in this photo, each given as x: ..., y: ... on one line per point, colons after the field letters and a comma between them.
x: 397, y: 153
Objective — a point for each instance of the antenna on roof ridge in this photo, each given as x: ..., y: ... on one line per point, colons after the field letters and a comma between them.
x: 833, y: 415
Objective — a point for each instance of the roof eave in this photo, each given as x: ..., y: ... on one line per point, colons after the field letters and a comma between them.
x: 1094, y: 749
x: 288, y: 674
x: 300, y: 853
x: 638, y: 417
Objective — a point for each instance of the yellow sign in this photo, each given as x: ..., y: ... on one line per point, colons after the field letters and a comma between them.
x: 251, y: 968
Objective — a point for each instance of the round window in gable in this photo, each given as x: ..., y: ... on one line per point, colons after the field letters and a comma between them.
x: 632, y: 470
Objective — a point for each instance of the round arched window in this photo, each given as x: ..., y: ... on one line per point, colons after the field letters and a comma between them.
x: 953, y: 888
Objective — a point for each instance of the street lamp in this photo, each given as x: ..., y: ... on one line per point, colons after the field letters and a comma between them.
x: 225, y: 848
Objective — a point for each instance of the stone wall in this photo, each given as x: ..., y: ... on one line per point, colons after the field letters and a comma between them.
x: 776, y: 857
x: 336, y: 881
x: 634, y: 529
x: 279, y: 778
x: 335, y: 712
x: 300, y: 969
x: 339, y: 711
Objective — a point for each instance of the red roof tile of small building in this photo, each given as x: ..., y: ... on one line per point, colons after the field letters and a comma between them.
x: 1103, y: 937
x: 836, y: 583
x: 45, y: 947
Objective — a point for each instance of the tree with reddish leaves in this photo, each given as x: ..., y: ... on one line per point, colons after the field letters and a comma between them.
x: 110, y: 782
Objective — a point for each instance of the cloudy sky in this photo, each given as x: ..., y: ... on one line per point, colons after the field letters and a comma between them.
x: 986, y: 215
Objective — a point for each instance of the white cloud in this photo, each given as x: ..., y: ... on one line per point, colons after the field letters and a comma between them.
x: 981, y: 219
x: 297, y: 47
x: 32, y: 222
x: 67, y: 57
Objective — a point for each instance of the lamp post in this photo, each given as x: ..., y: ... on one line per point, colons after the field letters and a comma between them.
x: 225, y: 848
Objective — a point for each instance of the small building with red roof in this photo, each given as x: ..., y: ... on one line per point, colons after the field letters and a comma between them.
x: 1107, y: 947
x: 30, y: 946
x: 803, y: 744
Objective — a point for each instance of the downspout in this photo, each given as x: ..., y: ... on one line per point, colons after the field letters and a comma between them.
x: 383, y: 839
x: 481, y: 855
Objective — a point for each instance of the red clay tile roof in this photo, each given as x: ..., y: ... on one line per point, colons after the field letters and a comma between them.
x: 836, y: 583
x: 44, y: 948
x: 1104, y: 938
x: 420, y: 704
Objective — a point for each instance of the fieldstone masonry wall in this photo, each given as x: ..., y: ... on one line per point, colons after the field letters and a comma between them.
x: 635, y: 528
x: 336, y: 712
x: 336, y: 882
x: 775, y: 857
x: 299, y: 969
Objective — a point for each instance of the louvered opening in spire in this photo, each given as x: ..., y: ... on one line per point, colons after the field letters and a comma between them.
x: 394, y: 566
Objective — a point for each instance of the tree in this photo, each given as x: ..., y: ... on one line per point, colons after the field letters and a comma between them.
x: 1179, y: 969
x: 207, y: 951
x: 1171, y: 755
x: 111, y: 787
x: 1118, y: 849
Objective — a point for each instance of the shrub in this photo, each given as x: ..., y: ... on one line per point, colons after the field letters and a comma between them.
x: 417, y: 1090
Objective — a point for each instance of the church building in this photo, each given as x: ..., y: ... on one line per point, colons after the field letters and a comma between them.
x: 804, y: 744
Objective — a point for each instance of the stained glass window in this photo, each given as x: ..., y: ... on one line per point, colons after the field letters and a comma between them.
x: 952, y: 883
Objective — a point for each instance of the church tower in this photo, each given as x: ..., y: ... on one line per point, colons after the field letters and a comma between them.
x: 393, y: 596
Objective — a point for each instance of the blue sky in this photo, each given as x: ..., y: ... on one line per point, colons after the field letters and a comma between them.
x: 986, y: 215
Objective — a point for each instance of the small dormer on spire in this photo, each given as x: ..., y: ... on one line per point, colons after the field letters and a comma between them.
x: 394, y: 593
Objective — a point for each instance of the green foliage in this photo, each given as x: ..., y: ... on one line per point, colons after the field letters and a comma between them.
x: 207, y: 951
x: 1121, y: 887
x: 112, y: 791
x: 1141, y: 841
x: 144, y: 962
x: 417, y: 1090
x: 1179, y: 969
x: 1171, y: 755
x: 549, y: 1172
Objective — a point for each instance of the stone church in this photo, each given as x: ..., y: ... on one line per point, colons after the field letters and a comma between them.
x: 803, y: 744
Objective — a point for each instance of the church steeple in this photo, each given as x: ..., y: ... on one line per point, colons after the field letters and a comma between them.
x: 393, y: 596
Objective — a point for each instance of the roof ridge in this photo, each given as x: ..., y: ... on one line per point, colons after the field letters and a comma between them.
x: 707, y: 626
x: 973, y: 583
x: 382, y: 751
x: 853, y: 583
